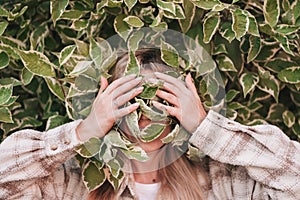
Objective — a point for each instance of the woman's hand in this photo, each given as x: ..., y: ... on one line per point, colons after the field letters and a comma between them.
x: 187, y: 106
x: 106, y: 107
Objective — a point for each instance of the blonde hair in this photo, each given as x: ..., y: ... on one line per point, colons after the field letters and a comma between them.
x: 180, y: 179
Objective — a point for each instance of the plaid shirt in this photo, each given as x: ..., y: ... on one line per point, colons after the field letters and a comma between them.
x: 258, y: 162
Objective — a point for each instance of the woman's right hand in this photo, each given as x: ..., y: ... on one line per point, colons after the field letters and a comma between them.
x: 106, y: 109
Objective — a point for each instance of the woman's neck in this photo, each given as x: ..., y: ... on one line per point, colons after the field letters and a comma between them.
x: 147, y: 172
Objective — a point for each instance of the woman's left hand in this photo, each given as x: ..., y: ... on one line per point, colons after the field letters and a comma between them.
x: 183, y: 96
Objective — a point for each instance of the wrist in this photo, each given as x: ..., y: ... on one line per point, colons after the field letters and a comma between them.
x: 84, y: 131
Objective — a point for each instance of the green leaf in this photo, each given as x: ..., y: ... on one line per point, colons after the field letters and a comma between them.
x: 268, y: 83
x: 26, y: 76
x: 240, y: 23
x: 150, y: 113
x: 4, y: 60
x: 55, y: 87
x: 179, y: 14
x: 130, y: 3
x: 296, y: 9
x: 149, y: 90
x: 54, y: 121
x: 134, y: 40
x: 90, y: 148
x: 81, y: 67
x: 235, y: 105
x: 3, y: 26
x: 5, y: 93
x: 290, y: 75
x: 220, y: 49
x: 134, y: 21
x: 283, y: 43
x: 37, y: 63
x: 225, y: 63
x: 286, y: 29
x: 172, y: 135
x: 113, y: 138
x: 248, y: 81
x: 255, y: 46
x: 231, y: 94
x: 72, y: 14
x: 93, y: 177
x: 133, y: 66
x: 227, y: 32
x: 95, y: 52
x: 254, y: 106
x: 115, y: 181
x: 275, y: 112
x: 253, y: 27
x: 136, y: 153
x: 121, y: 27
x: 288, y: 118
x: 3, y: 12
x: 132, y: 123
x: 5, y: 115
x: 58, y: 7
x: 189, y: 12
x: 66, y: 53
x: 152, y: 132
x: 206, y: 4
x: 210, y: 25
x: 278, y: 64
x: 80, y: 24
x: 271, y: 11
x: 169, y: 54
x: 166, y: 6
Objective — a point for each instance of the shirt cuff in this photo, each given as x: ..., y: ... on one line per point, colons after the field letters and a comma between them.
x: 207, y: 134
x: 62, y: 138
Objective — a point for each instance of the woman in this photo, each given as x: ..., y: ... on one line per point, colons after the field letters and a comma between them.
x: 258, y: 162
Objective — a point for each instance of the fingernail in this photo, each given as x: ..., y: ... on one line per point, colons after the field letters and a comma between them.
x: 139, y: 89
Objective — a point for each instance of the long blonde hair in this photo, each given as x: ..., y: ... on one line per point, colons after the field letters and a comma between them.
x: 180, y: 179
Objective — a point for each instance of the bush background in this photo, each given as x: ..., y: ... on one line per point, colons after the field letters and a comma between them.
x: 255, y: 45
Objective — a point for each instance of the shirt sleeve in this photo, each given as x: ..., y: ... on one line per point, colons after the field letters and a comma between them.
x: 267, y: 154
x: 28, y: 155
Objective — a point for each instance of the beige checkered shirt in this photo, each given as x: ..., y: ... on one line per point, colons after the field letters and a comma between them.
x: 258, y: 162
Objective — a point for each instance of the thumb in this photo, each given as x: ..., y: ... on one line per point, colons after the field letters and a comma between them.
x: 103, y: 84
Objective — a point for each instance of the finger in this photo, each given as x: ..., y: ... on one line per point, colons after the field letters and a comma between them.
x: 126, y: 110
x: 172, y: 99
x: 169, y: 109
x: 119, y: 82
x: 125, y: 87
x: 171, y: 89
x: 121, y: 100
x: 190, y: 84
x: 103, y: 85
x: 170, y: 79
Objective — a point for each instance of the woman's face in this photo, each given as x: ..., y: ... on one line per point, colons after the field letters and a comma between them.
x: 144, y: 121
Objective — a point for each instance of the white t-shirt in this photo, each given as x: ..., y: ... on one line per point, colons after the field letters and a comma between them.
x: 147, y: 191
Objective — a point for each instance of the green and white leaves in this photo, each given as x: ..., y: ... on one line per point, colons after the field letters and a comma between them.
x: 290, y: 75
x: 93, y: 177
x: 4, y: 60
x: 58, y: 7
x: 210, y: 25
x: 240, y: 23
x: 271, y: 11
x: 37, y: 63
x: 248, y: 81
